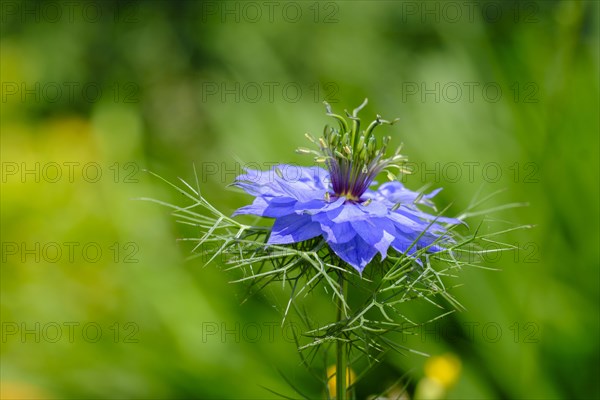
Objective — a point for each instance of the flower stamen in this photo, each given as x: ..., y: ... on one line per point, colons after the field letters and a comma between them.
x: 353, y: 157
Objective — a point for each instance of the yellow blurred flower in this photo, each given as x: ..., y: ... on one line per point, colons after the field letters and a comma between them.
x: 331, y: 382
x: 443, y: 369
x: 14, y: 390
x: 441, y: 372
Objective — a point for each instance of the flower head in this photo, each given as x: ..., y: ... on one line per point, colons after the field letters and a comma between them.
x: 338, y: 204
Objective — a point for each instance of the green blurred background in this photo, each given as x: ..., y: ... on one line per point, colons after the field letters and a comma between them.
x: 98, y: 300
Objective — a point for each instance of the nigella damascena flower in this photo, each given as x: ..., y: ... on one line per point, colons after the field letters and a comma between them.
x: 337, y: 203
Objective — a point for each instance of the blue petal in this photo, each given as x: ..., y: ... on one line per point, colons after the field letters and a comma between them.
x: 355, y: 252
x: 294, y: 228
x: 354, y: 212
x: 407, y: 224
x: 316, y: 176
x: 269, y: 207
x: 317, y: 206
x: 257, y: 207
x: 335, y: 232
x: 301, y: 183
x: 401, y: 243
x: 395, y: 192
x: 378, y: 233
x: 255, y: 189
x: 375, y: 208
x: 278, y: 207
x: 347, y: 213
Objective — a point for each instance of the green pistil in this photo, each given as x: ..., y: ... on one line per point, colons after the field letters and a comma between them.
x: 354, y: 157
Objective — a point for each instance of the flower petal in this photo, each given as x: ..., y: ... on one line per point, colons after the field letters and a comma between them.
x: 376, y: 232
x: 335, y: 232
x: 395, y: 192
x: 401, y: 244
x: 269, y: 207
x: 294, y: 228
x: 317, y: 206
x: 355, y: 252
x: 301, y: 183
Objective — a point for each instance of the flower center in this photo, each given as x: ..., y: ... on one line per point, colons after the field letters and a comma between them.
x: 353, y: 157
x: 351, y: 196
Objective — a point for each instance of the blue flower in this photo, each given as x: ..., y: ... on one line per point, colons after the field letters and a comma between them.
x: 338, y: 204
x: 304, y: 205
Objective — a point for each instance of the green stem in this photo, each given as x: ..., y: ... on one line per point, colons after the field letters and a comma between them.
x: 341, y: 365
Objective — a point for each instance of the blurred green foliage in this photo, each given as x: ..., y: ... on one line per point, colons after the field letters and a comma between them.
x: 491, y: 95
